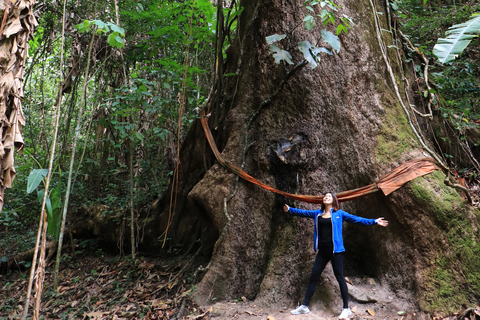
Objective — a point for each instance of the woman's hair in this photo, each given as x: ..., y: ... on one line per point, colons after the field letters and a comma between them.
x: 335, y: 204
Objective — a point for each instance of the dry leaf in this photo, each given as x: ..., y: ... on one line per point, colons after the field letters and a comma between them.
x: 244, y: 299
x: 354, y: 309
x: 371, y: 312
x: 270, y: 318
x: 95, y: 315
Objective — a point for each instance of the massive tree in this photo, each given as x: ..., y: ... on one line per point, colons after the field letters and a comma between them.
x: 306, y: 130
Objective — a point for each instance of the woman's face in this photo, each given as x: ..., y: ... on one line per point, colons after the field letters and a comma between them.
x: 327, y: 199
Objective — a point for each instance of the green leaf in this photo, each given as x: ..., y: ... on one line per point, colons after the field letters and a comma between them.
x: 329, y: 37
x: 458, y: 38
x: 315, y: 51
x: 83, y: 27
x: 341, y: 28
x: 276, y: 37
x: 54, y: 218
x: 34, y: 179
x: 56, y: 196
x: 305, y: 47
x: 115, y: 41
x: 117, y: 29
x: 101, y: 25
x: 48, y: 203
x: 309, y: 22
x: 280, y: 54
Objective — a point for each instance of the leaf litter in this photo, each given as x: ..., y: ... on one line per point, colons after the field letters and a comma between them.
x: 95, y: 287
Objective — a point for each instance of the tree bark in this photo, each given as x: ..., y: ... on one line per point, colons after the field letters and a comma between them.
x: 344, y: 127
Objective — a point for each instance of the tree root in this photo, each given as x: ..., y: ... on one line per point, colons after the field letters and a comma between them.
x: 449, y: 181
x: 18, y: 261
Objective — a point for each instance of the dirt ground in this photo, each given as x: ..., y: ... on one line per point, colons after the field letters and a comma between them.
x: 247, y: 311
x: 387, y: 306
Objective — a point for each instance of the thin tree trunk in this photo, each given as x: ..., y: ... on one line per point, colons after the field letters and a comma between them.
x: 41, y: 268
x: 72, y: 160
x: 132, y: 214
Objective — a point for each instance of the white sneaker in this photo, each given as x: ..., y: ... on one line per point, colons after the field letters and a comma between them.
x: 300, y: 310
x: 345, y: 313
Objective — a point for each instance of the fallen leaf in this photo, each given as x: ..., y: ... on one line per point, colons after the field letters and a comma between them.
x: 95, y: 315
x: 244, y: 299
x: 270, y: 318
x: 371, y: 312
x: 354, y: 309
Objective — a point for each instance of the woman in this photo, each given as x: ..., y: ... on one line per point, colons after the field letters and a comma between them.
x: 328, y: 241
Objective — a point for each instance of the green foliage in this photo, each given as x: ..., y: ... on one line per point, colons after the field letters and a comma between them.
x: 115, y: 33
x: 311, y: 53
x: 457, y: 82
x: 52, y: 201
x: 35, y: 178
x: 458, y: 38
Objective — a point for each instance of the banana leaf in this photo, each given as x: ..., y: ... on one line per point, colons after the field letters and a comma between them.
x: 458, y: 38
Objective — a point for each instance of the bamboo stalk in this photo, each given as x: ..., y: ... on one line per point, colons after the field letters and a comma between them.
x: 72, y: 161
x: 43, y: 216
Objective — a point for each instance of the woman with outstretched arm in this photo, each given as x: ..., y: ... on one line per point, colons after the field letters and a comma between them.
x: 328, y: 243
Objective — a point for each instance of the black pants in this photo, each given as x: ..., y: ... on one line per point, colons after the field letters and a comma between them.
x: 325, y: 254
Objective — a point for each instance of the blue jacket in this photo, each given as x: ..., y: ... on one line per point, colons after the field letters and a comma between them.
x: 337, y: 224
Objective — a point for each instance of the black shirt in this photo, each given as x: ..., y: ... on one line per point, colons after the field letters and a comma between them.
x: 325, y: 230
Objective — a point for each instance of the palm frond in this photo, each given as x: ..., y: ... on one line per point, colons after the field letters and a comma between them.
x: 458, y: 38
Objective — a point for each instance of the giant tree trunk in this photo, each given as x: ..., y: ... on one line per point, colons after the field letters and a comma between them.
x: 345, y: 127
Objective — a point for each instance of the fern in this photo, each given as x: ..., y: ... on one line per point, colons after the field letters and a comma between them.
x: 458, y: 38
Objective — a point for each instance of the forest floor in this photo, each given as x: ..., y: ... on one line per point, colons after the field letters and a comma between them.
x: 94, y: 285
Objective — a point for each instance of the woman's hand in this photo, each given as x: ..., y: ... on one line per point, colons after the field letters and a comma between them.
x: 382, y: 222
x: 286, y: 207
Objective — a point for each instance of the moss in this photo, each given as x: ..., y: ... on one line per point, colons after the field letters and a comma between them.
x: 454, y: 277
x: 396, y: 136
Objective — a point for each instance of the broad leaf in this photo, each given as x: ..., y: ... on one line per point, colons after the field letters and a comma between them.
x: 280, y: 54
x: 34, y: 179
x: 48, y: 203
x: 309, y: 22
x: 54, y: 217
x: 274, y: 38
x: 116, y: 28
x: 115, y: 40
x: 329, y: 37
x: 311, y: 53
x: 305, y: 47
x: 458, y: 38
x: 317, y: 50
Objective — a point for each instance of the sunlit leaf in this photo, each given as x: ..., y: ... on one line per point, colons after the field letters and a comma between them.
x: 309, y: 22
x: 34, y: 179
x: 280, y: 54
x: 332, y: 39
x: 274, y: 38
x: 305, y: 47
x: 458, y: 38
